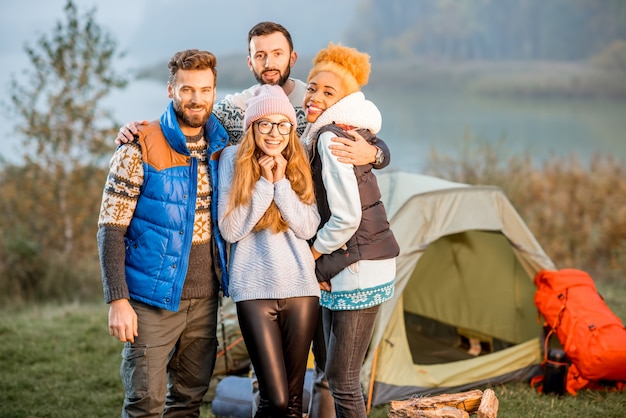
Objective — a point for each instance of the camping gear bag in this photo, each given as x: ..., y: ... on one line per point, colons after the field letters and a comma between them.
x: 592, y: 336
x: 234, y: 398
x: 238, y: 396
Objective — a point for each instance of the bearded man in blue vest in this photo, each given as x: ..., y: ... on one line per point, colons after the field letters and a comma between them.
x: 163, y: 260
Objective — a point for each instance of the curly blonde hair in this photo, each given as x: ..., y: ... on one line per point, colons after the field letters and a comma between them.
x: 351, y: 65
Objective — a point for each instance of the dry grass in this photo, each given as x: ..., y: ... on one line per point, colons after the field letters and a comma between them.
x: 59, y: 361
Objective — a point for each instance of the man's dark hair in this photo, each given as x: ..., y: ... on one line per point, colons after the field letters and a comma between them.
x: 191, y: 59
x: 267, y: 28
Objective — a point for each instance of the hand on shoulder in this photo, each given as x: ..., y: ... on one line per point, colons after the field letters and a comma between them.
x: 128, y: 131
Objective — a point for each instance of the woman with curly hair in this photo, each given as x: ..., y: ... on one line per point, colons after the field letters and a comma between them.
x: 354, y: 248
x: 267, y: 210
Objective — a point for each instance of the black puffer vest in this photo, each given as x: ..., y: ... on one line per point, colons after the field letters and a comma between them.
x: 373, y: 240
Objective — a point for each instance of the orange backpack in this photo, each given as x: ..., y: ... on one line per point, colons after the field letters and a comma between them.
x: 592, y: 336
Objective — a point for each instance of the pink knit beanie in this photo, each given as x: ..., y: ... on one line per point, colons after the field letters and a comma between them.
x: 268, y: 100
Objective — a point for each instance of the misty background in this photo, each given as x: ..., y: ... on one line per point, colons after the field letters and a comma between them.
x: 512, y: 71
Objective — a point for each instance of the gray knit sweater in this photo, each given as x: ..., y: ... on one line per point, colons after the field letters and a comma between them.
x: 265, y: 265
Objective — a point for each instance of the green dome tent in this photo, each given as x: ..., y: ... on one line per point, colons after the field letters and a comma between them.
x: 463, y: 314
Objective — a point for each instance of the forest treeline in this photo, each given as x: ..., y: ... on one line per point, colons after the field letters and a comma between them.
x: 487, y: 29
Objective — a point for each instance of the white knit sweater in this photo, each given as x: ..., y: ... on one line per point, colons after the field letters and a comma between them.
x: 265, y: 265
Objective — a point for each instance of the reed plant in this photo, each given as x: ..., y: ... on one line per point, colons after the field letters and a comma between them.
x: 576, y: 210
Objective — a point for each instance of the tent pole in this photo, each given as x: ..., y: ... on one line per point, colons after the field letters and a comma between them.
x: 231, y: 345
x: 371, y: 388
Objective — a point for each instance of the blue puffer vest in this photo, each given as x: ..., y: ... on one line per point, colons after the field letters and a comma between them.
x: 158, y: 239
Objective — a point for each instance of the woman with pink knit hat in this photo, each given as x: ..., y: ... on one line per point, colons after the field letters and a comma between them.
x: 267, y: 211
x: 354, y: 248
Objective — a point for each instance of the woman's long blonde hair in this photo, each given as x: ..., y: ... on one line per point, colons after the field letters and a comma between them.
x: 248, y: 172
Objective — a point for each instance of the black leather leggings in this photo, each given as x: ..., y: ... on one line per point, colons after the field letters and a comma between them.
x: 278, y: 334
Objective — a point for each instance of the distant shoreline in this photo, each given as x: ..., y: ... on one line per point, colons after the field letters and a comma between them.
x: 538, y: 79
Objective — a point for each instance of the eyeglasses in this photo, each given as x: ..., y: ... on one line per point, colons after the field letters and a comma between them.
x: 265, y: 127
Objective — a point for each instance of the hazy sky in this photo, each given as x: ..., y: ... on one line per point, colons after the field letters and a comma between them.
x: 24, y: 20
x: 153, y: 30
x: 150, y: 31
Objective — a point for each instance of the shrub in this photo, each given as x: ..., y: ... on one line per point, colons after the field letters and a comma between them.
x: 612, y: 57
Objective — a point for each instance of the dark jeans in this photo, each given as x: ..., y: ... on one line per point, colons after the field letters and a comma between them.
x: 321, y: 404
x: 168, y: 368
x: 278, y: 334
x: 347, y: 335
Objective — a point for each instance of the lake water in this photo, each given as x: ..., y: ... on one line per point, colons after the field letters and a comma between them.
x: 415, y: 123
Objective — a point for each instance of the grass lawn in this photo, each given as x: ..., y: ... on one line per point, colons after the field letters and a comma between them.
x: 59, y: 361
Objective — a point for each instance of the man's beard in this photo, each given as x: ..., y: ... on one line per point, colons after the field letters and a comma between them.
x: 281, y: 81
x: 195, y: 121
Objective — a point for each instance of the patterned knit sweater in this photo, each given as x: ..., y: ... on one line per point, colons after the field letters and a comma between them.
x: 121, y: 193
x: 230, y: 110
x: 265, y: 265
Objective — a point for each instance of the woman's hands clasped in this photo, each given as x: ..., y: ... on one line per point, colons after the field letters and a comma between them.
x: 272, y: 168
